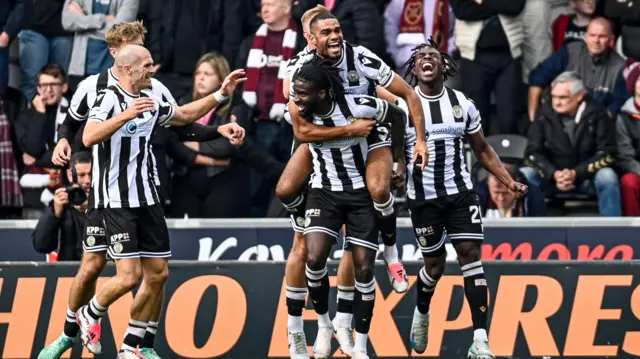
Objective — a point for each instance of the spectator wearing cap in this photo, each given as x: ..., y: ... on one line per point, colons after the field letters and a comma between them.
x: 628, y: 140
x: 593, y: 60
x: 572, y: 146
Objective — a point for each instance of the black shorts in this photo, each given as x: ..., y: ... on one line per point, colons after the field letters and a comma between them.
x: 457, y: 216
x: 327, y: 211
x: 94, y: 238
x: 137, y: 232
x: 379, y: 137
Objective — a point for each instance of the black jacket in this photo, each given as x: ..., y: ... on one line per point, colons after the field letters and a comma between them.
x: 469, y: 10
x: 62, y: 234
x: 13, y: 16
x: 35, y: 133
x: 550, y: 149
x: 627, y: 14
x: 362, y: 24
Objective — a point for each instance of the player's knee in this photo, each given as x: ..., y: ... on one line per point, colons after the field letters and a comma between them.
x: 468, y: 252
x: 285, y: 189
x: 435, y: 266
x: 378, y: 189
x: 92, y: 265
x: 299, y: 249
x: 364, y: 272
x: 158, y: 277
x: 315, y: 261
x: 131, y: 278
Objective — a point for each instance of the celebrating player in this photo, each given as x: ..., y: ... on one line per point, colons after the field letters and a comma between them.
x: 119, y: 128
x: 94, y: 243
x: 441, y: 197
x: 338, y: 196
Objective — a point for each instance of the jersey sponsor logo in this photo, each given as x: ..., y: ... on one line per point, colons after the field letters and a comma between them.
x: 424, y: 231
x: 450, y: 130
x: 131, y: 127
x: 120, y: 237
x: 95, y: 230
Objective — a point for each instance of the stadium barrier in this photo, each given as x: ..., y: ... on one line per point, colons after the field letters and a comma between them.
x: 237, y: 310
x: 270, y: 239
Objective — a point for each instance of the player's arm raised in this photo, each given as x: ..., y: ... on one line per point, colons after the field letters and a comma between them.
x: 100, y: 127
x: 194, y: 111
x: 307, y: 132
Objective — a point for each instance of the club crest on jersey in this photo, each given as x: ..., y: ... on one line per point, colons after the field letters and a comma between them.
x: 353, y: 76
x: 457, y: 111
x: 131, y: 127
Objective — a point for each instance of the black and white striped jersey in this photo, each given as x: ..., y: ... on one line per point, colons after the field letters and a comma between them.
x: 361, y: 70
x: 125, y: 177
x: 449, y: 116
x: 85, y: 96
x: 340, y: 164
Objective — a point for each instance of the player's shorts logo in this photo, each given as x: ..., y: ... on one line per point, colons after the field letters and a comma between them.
x: 91, y: 241
x: 457, y: 111
x: 131, y: 127
x: 300, y: 221
x: 118, y: 248
x: 307, y: 221
x: 423, y: 241
x: 353, y: 76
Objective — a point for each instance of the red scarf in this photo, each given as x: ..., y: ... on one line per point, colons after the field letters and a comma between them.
x: 254, y: 64
x: 412, y: 23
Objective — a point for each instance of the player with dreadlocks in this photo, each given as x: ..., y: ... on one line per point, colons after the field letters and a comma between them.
x: 338, y: 195
x: 441, y: 197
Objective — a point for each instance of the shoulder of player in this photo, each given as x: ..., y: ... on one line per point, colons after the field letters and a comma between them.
x: 465, y: 101
x: 88, y: 84
x: 365, y: 106
x: 157, y: 86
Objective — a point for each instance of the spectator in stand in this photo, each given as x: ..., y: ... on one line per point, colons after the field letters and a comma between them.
x: 90, y: 20
x: 489, y: 35
x: 37, y: 126
x: 60, y: 228
x: 181, y: 31
x: 13, y: 16
x: 43, y: 41
x: 536, y: 42
x: 498, y: 202
x: 627, y: 14
x: 361, y: 23
x: 572, y: 144
x: 199, y: 189
x: 261, y: 98
x: 246, y: 15
x: 36, y: 132
x: 628, y: 139
x: 569, y: 28
x: 11, y: 199
x: 599, y: 67
x: 409, y: 23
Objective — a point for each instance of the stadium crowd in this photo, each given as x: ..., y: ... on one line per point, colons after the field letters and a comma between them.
x: 556, y: 83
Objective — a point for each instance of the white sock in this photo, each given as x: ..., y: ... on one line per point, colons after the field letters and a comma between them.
x: 416, y: 313
x: 361, y: 343
x: 343, y: 319
x: 390, y: 254
x: 295, y: 324
x: 324, y: 321
x: 480, y: 334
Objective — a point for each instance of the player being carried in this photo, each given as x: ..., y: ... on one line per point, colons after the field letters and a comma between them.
x: 441, y: 197
x: 338, y: 195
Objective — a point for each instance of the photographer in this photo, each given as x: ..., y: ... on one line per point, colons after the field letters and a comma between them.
x: 60, y: 227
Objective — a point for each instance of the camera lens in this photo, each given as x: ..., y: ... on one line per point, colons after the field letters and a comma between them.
x: 77, y: 196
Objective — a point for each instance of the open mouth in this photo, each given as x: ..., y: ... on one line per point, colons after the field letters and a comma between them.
x: 301, y: 108
x: 333, y: 46
x: 428, y: 67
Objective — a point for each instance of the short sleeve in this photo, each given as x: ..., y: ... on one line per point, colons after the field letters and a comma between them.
x: 104, y: 107
x: 370, y: 107
x: 373, y: 67
x: 473, y: 118
x: 166, y: 111
x: 165, y: 95
x: 79, y: 106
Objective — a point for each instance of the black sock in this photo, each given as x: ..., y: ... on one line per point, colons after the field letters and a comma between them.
x: 134, y: 334
x: 71, y: 327
x: 296, y: 298
x: 318, y: 285
x: 95, y: 311
x: 475, y: 289
x: 296, y: 208
x: 149, y: 335
x: 386, y: 221
x: 363, y: 303
x: 345, y: 299
x: 426, y: 287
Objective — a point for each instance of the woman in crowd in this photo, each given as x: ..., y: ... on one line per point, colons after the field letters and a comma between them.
x: 219, y: 190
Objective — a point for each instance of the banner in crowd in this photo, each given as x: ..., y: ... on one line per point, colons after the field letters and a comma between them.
x: 268, y: 240
x: 238, y: 310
